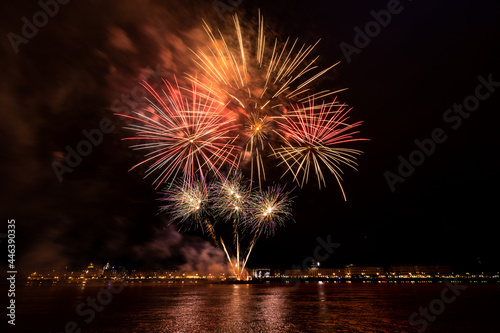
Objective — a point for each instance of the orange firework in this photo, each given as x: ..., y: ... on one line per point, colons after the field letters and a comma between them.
x: 260, y: 77
x: 253, y: 99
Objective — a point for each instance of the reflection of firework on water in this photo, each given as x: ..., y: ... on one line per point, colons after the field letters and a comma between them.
x: 312, y: 138
x: 270, y: 208
x: 260, y: 77
x: 186, y: 131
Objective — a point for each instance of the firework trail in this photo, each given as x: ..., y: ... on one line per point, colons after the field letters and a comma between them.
x: 269, y: 209
x: 195, y: 204
x: 232, y: 199
x: 312, y: 137
x: 188, y: 133
x: 259, y: 78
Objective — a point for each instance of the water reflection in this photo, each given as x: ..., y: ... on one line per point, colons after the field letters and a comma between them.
x: 241, y: 308
x: 274, y: 307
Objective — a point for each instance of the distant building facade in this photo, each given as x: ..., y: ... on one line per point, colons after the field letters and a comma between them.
x: 259, y: 272
x: 363, y: 270
x: 407, y: 270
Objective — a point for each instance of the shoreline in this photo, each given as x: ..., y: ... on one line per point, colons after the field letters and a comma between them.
x: 266, y: 281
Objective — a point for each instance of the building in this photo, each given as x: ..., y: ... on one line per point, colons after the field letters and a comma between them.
x: 92, y: 272
x: 258, y: 273
x: 351, y: 270
x: 414, y: 270
x: 295, y: 273
x: 326, y: 272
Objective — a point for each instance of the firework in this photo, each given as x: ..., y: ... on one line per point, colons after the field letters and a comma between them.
x: 195, y: 204
x: 259, y: 77
x: 231, y: 198
x: 257, y: 130
x: 187, y: 203
x: 253, y: 99
x: 270, y: 208
x: 186, y: 131
x: 312, y: 137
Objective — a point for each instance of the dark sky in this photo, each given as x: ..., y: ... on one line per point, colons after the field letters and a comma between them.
x: 64, y: 79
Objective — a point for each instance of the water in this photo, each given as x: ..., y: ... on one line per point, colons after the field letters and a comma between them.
x: 312, y: 307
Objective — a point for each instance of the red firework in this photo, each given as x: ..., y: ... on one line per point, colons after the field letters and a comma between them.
x: 187, y: 133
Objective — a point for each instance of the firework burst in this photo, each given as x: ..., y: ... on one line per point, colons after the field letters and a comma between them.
x: 231, y: 198
x: 270, y: 208
x: 312, y: 137
x: 259, y: 77
x: 187, y: 203
x: 195, y: 204
x: 186, y: 131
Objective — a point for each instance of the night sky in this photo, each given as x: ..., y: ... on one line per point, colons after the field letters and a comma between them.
x: 64, y: 80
